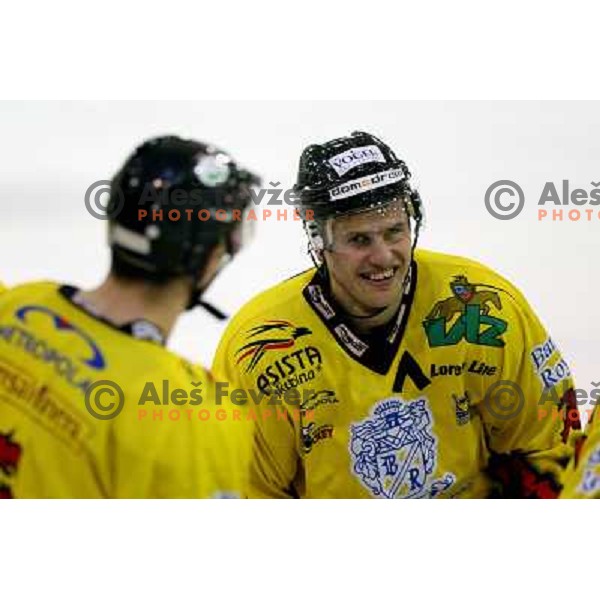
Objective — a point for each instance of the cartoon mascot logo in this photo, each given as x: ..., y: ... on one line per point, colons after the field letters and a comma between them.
x: 471, y: 306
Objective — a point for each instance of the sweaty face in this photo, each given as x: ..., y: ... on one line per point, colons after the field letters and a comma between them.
x: 368, y: 255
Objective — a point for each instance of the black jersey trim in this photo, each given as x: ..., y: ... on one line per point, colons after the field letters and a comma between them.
x: 377, y: 350
x: 140, y: 329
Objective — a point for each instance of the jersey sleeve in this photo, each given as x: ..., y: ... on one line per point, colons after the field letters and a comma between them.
x: 530, y: 414
x: 273, y: 459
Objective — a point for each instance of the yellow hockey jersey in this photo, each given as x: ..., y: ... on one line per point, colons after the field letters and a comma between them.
x: 582, y: 478
x: 88, y: 410
x: 461, y: 395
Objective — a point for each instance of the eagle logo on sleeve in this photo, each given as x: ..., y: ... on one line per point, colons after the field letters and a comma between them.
x: 275, y: 335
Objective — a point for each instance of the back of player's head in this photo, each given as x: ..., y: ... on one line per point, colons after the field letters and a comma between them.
x: 171, y: 203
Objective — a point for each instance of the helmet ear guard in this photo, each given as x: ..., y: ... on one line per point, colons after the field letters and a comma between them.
x: 315, y: 235
x: 317, y: 243
x: 415, y: 207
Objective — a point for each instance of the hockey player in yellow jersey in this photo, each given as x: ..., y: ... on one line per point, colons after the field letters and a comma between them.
x: 393, y: 373
x: 582, y: 478
x: 92, y: 404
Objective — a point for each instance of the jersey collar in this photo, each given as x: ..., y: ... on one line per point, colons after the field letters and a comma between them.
x: 375, y: 350
x: 140, y: 329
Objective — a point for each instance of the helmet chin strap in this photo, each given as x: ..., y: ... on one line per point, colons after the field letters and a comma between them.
x: 197, y: 290
x: 196, y: 300
x: 213, y: 310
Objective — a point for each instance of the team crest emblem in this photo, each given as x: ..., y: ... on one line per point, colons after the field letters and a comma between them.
x: 279, y: 335
x: 394, y: 452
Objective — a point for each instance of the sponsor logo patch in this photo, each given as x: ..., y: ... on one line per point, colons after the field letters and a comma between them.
x: 290, y: 371
x: 551, y: 372
x: 48, y: 409
x: 462, y: 408
x: 465, y: 315
x: 477, y: 367
x: 320, y: 398
x: 95, y: 360
x: 353, y: 343
x: 274, y: 335
x: 365, y: 184
x: 319, y: 302
x: 349, y: 159
x: 313, y: 434
x: 72, y: 367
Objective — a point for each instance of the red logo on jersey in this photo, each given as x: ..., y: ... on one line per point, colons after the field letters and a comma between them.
x: 10, y: 454
x: 258, y: 348
x: 568, y: 404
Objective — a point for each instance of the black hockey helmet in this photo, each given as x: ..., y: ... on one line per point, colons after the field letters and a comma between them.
x: 351, y: 174
x: 347, y: 175
x: 171, y: 203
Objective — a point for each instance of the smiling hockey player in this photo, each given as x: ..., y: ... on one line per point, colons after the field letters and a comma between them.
x: 419, y: 375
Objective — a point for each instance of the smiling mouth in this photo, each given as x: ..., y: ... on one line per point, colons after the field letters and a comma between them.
x: 380, y: 276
